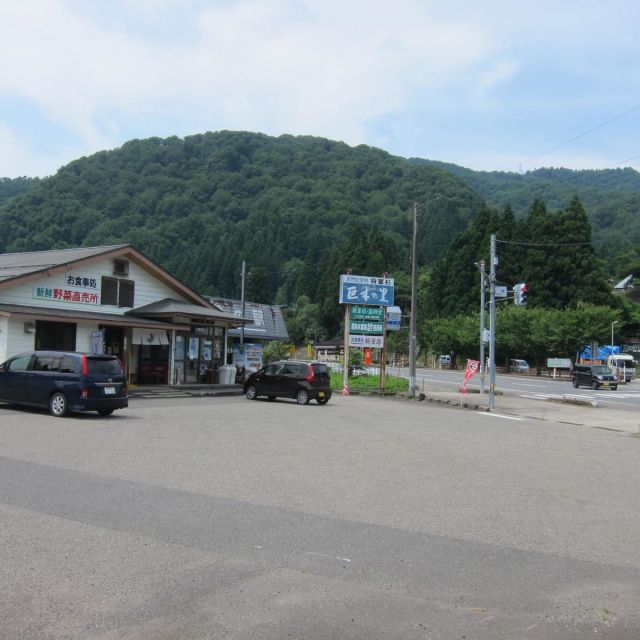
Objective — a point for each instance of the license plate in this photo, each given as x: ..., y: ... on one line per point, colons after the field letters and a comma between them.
x: 109, y: 391
x: 605, y: 384
x: 320, y: 394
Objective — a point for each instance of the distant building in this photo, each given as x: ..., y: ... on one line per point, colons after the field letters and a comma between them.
x: 264, y: 321
x: 624, y: 285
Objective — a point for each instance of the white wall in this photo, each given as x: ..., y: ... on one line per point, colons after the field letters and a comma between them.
x: 4, y: 327
x: 148, y: 289
x: 17, y: 339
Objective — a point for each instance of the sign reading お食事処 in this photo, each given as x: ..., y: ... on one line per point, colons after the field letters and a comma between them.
x: 77, y: 288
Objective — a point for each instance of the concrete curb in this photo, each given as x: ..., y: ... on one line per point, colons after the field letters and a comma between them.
x: 581, y: 403
x: 450, y: 402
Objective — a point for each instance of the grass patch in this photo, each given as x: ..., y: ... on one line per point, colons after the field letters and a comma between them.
x: 370, y: 383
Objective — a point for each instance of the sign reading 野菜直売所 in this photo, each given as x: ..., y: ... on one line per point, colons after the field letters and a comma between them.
x: 366, y: 290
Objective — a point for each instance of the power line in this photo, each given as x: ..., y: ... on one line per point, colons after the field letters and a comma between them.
x: 582, y: 135
x: 546, y: 244
x: 625, y: 160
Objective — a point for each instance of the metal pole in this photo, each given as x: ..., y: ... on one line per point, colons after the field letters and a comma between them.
x: 414, y: 296
x: 492, y: 324
x: 482, y: 303
x: 242, y: 276
x: 345, y: 363
x: 383, y: 362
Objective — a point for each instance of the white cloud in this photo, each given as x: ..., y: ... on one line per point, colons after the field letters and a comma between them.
x: 497, y: 74
x: 100, y: 74
x: 264, y: 65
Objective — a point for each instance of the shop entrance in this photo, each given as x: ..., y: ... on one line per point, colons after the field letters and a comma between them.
x: 199, y: 355
x: 114, y: 341
x: 153, y: 364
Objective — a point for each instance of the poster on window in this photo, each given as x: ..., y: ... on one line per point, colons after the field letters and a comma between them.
x: 193, y: 348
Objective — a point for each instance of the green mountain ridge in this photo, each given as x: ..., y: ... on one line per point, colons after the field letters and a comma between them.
x: 200, y: 205
x: 611, y: 197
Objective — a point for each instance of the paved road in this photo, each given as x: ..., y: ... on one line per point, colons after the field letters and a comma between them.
x: 536, y: 387
x: 367, y: 518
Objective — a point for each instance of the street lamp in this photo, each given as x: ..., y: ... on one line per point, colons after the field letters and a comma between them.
x: 614, y: 322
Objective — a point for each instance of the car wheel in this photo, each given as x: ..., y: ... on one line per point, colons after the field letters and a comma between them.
x: 58, y: 405
x: 251, y: 393
x: 323, y: 400
x: 594, y: 385
x: 615, y: 386
x: 105, y: 412
x: 302, y: 397
x: 575, y: 384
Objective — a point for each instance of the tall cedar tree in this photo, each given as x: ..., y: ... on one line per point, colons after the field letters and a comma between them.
x: 552, y: 253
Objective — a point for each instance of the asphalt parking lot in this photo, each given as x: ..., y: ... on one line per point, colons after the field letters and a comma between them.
x: 365, y: 518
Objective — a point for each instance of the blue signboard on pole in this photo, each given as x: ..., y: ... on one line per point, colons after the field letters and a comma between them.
x: 366, y: 290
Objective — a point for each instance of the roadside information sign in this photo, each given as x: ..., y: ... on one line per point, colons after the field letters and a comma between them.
x: 367, y: 313
x: 366, y: 290
x: 375, y: 342
x: 394, y: 318
x: 362, y: 326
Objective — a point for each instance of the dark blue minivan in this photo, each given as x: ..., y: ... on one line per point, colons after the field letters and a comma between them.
x: 64, y: 381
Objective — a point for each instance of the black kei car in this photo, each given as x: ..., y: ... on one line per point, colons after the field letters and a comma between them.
x: 63, y: 381
x: 595, y: 376
x: 303, y: 381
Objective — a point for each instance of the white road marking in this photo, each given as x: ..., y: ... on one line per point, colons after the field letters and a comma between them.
x: 528, y: 384
x: 498, y: 415
x: 324, y: 555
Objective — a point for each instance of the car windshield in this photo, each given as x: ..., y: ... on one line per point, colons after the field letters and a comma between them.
x: 600, y: 370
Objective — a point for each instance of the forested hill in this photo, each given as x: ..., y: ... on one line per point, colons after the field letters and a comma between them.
x: 10, y: 189
x: 611, y: 197
x: 289, y: 206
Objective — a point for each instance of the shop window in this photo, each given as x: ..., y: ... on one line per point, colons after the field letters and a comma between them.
x: 125, y: 294
x: 117, y: 292
x: 55, y: 336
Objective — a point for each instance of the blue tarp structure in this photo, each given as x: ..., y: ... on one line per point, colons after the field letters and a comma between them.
x: 601, y: 354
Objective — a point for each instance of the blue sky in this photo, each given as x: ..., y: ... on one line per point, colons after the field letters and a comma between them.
x: 487, y: 84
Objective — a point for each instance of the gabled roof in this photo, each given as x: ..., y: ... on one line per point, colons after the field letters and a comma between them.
x: 265, y: 321
x: 169, y: 308
x: 32, y: 265
x: 17, y: 265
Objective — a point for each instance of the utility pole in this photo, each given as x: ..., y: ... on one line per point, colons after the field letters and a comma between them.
x: 482, y: 318
x: 242, y: 278
x: 492, y: 324
x: 414, y: 302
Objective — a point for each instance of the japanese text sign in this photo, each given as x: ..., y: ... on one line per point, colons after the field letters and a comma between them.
x: 366, y: 290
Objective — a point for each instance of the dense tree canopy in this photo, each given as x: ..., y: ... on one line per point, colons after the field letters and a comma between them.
x: 551, y: 252
x: 610, y: 196
x: 201, y: 205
